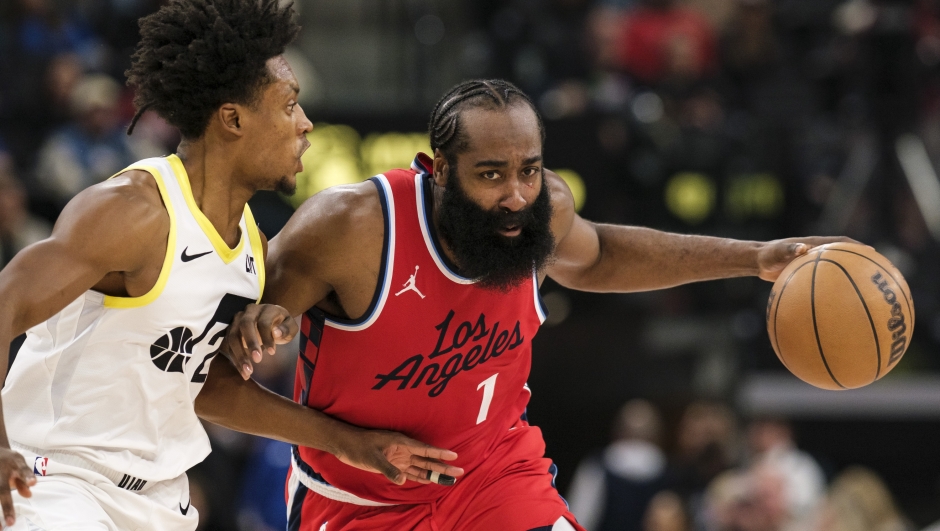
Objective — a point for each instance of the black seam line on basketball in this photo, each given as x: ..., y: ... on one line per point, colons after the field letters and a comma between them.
x: 910, y: 309
x: 812, y: 299
x: 777, y: 310
x: 867, y: 312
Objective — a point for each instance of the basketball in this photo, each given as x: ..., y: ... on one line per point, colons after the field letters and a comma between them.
x: 840, y: 316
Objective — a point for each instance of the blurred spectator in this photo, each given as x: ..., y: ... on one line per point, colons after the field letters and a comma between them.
x: 662, y: 41
x: 770, y: 442
x: 723, y: 496
x: 33, y: 35
x: 540, y: 42
x: 706, y: 447
x: 666, y: 513
x: 93, y: 147
x: 41, y: 30
x: 611, y: 491
x: 752, y: 499
x: 859, y: 501
x: 18, y: 227
x: 750, y: 46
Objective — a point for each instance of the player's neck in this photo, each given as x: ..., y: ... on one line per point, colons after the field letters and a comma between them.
x: 216, y: 187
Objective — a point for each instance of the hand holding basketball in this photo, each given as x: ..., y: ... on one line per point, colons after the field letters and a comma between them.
x: 840, y: 316
x: 777, y: 254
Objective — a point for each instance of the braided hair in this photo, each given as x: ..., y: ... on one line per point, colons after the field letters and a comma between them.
x: 196, y: 55
x: 445, y: 129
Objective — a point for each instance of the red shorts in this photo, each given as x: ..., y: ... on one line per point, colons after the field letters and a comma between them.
x: 511, y: 491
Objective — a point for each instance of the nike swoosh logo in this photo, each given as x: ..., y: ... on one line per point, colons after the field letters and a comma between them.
x: 188, y: 505
x: 190, y: 257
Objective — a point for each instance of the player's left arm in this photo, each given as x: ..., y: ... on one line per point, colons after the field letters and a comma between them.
x: 616, y: 258
x: 243, y: 405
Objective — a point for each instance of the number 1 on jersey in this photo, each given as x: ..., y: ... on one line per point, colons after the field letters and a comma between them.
x: 488, y: 385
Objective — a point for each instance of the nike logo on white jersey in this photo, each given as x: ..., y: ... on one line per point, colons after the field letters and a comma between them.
x: 190, y: 257
x: 410, y: 284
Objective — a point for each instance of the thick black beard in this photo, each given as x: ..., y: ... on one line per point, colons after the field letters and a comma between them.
x: 495, y: 261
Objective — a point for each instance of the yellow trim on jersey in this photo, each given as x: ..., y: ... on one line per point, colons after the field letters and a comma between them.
x: 157, y: 289
x: 254, y: 238
x: 221, y: 248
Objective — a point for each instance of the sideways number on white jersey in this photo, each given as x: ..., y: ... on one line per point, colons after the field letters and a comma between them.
x: 172, y: 351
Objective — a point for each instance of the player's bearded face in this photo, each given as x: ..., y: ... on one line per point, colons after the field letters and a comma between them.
x: 482, y: 253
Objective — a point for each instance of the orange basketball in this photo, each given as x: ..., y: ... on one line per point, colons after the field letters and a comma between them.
x: 840, y: 316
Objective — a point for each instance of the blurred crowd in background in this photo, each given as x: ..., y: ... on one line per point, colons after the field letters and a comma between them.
x: 754, y: 119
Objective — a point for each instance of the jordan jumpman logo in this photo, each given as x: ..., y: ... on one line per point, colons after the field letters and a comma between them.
x: 410, y: 285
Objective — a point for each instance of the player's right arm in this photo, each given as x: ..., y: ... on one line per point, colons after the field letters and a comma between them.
x: 328, y: 243
x: 107, y: 238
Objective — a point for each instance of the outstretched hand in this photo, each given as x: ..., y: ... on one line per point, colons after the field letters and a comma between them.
x: 255, y: 331
x: 14, y: 474
x: 397, y: 457
x: 777, y: 254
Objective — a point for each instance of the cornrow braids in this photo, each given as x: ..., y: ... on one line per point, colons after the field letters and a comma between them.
x: 196, y: 55
x: 444, y: 128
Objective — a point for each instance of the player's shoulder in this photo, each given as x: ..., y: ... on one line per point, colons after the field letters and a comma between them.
x: 133, y: 188
x: 129, y: 204
x: 342, y: 210
x: 561, y: 195
x: 563, y: 210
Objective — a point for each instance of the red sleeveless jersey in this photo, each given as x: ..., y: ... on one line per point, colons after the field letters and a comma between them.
x: 435, y: 357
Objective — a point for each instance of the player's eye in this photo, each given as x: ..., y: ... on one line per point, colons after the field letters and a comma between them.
x: 531, y: 172
x: 490, y: 175
x: 291, y: 106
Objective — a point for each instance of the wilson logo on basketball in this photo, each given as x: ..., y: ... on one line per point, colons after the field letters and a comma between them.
x: 841, y: 316
x: 896, y: 324
x: 481, y: 344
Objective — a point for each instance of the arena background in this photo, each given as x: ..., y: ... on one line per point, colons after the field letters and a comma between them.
x: 755, y: 119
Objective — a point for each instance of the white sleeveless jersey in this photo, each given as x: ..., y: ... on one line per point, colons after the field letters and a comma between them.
x: 111, y: 381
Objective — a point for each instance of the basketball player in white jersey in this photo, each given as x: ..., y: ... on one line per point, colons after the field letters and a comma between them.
x: 126, y: 302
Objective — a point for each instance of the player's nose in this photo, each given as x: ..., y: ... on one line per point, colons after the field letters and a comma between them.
x: 514, y: 198
x: 305, y: 124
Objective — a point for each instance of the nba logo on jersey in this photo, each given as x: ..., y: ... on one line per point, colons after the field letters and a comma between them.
x: 39, y: 467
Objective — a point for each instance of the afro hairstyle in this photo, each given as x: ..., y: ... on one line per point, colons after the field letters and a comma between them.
x: 196, y: 55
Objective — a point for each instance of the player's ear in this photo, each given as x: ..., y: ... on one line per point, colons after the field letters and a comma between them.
x: 441, y: 168
x: 230, y: 117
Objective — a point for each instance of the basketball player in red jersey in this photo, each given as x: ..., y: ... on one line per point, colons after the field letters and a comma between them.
x: 419, y: 297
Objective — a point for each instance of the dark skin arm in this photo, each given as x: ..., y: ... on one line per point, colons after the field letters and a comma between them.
x: 111, y: 238
x: 242, y: 405
x: 615, y: 258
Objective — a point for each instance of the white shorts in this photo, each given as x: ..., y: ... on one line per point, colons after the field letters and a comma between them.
x: 70, y: 498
